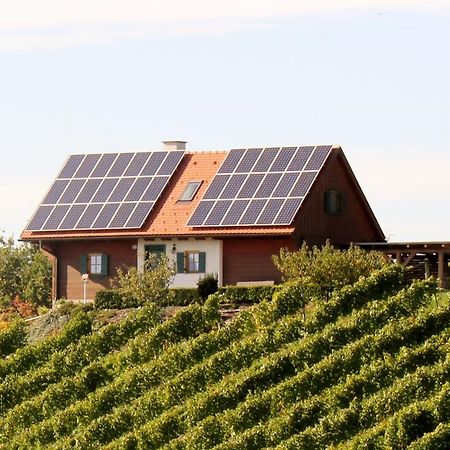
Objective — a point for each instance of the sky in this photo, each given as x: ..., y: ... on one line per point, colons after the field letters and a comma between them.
x: 92, y: 76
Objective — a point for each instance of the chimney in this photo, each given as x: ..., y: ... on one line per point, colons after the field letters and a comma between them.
x: 174, y: 145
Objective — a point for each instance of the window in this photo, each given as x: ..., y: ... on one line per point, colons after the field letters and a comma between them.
x: 94, y: 264
x: 191, y: 262
x: 333, y: 202
x: 190, y: 191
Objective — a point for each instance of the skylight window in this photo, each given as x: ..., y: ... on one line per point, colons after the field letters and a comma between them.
x: 190, y: 191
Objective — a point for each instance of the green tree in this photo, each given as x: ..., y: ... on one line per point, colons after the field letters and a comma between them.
x: 150, y: 285
x: 328, y: 267
x: 24, y: 272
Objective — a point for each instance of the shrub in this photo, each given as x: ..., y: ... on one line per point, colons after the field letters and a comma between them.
x: 330, y: 268
x: 13, y: 338
x: 250, y: 295
x: 207, y: 285
x: 182, y: 297
x: 151, y: 284
x: 113, y: 299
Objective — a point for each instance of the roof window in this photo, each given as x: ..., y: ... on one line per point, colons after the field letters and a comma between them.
x: 190, y: 191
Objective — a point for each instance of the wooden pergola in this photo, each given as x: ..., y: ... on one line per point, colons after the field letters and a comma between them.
x: 433, y: 256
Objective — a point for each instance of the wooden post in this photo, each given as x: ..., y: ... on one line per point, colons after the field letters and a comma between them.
x: 398, y: 257
x: 441, y: 269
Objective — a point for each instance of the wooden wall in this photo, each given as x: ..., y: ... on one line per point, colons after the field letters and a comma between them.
x: 353, y: 224
x: 68, y: 254
x: 250, y: 259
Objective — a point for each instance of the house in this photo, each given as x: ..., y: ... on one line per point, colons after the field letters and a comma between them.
x: 222, y: 212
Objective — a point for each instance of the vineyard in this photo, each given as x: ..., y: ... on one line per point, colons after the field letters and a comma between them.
x: 368, y: 368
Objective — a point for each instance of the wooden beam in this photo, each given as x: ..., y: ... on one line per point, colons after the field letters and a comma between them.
x: 408, y: 259
x: 398, y: 257
x: 441, y: 270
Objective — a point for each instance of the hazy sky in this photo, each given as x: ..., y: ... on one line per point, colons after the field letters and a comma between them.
x: 106, y: 75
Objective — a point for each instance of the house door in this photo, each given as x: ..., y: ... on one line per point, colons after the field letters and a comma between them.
x: 158, y: 250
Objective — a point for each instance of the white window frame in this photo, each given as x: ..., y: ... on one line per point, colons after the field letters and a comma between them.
x: 95, y: 263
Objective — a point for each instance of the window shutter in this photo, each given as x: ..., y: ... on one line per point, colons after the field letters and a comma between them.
x: 83, y: 264
x: 180, y: 262
x: 105, y: 261
x: 202, y: 262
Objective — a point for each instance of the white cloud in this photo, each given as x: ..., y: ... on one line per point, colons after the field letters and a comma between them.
x: 28, y: 24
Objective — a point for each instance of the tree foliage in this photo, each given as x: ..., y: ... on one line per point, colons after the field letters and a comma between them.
x: 151, y: 284
x: 25, y: 272
x: 328, y: 267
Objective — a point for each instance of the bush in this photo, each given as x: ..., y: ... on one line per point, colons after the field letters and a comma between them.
x: 182, y: 297
x: 13, y: 338
x: 149, y: 285
x: 328, y: 267
x: 207, y: 285
x: 113, y: 299
x: 249, y: 295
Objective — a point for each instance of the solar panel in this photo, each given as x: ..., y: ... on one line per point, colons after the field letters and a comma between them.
x: 139, y: 186
x: 299, y: 160
x: 137, y: 164
x: 105, y: 191
x: 249, y: 159
x: 318, y: 157
x: 231, y: 160
x: 39, y: 218
x: 216, y: 215
x: 265, y: 160
x: 215, y: 188
x: 286, y: 183
x: 89, y: 215
x: 71, y: 166
x: 200, y: 213
x: 253, y: 211
x: 268, y: 185
x: 105, y: 216
x: 283, y: 159
x: 122, y: 215
x: 235, y: 212
x: 55, y: 191
x: 72, y: 191
x: 170, y: 163
x: 120, y: 164
x: 270, y: 211
x: 54, y: 219
x: 88, y: 190
x: 155, y: 188
x: 260, y: 187
x: 288, y: 211
x: 139, y: 215
x: 121, y: 190
x: 153, y: 163
x: 303, y: 184
x: 251, y: 185
x: 87, y: 166
x: 103, y: 166
x: 234, y: 184
x: 72, y: 217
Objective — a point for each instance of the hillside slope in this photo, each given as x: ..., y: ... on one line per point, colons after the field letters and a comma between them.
x: 366, y: 369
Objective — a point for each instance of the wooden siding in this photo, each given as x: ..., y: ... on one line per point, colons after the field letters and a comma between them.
x: 353, y: 224
x: 68, y: 254
x: 247, y: 259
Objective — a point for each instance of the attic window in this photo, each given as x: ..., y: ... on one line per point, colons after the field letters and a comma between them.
x: 190, y: 191
x: 333, y: 202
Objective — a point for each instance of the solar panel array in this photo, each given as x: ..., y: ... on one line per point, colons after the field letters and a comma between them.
x: 257, y: 187
x: 105, y: 191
